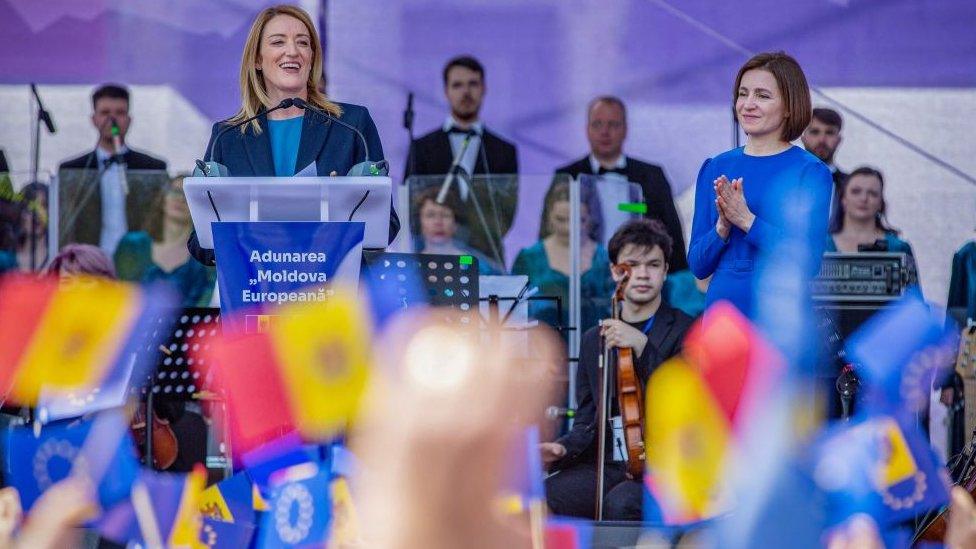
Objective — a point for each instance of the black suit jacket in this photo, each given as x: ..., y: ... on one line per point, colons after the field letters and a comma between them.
x: 431, y: 154
x: 657, y: 196
x: 332, y: 147
x: 663, y: 342
x: 839, y: 177
x: 87, y: 203
x: 3, y: 162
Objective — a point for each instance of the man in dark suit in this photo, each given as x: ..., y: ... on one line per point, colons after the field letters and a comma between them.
x: 98, y: 208
x: 654, y: 331
x: 606, y: 129
x: 484, y: 153
x: 3, y: 163
x: 822, y: 137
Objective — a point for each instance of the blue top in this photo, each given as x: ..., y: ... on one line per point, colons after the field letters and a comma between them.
x: 596, y: 286
x: 776, y: 189
x: 133, y: 262
x: 285, y: 136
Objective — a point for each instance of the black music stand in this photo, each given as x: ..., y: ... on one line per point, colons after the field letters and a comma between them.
x: 447, y: 280
x: 176, y: 377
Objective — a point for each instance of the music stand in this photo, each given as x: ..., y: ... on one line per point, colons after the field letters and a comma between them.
x: 449, y: 280
x: 176, y: 377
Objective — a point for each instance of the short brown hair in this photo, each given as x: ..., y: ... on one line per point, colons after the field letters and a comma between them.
x: 792, y: 86
x: 643, y: 233
x: 609, y: 100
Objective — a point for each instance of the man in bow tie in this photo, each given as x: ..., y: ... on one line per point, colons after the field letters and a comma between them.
x: 479, y: 152
x: 606, y: 130
x: 98, y: 203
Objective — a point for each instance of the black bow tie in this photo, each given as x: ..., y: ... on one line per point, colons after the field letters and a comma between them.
x: 603, y: 170
x: 455, y: 129
x: 114, y: 159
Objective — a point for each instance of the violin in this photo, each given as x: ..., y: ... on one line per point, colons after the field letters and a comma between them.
x: 630, y: 394
x: 164, y: 444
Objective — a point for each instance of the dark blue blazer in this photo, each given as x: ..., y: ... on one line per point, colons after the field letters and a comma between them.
x: 331, y: 146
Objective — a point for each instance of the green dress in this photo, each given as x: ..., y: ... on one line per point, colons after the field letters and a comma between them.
x: 596, y: 287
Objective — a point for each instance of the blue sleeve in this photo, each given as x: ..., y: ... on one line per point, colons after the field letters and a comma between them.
x: 368, y: 127
x: 818, y: 183
x: 706, y: 245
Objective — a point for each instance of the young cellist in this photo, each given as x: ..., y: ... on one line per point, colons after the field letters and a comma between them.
x: 654, y: 331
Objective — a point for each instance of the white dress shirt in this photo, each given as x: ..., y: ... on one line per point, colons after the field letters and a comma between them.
x: 611, y: 196
x: 112, y: 189
x: 470, y: 158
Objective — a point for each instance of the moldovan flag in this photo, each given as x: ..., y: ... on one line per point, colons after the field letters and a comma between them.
x: 62, y: 336
x: 688, y: 438
x: 306, y: 373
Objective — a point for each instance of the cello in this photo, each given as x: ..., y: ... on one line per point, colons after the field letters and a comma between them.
x: 630, y: 398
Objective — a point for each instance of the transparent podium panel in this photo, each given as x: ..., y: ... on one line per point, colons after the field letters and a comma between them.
x: 473, y: 218
x: 24, y: 227
x: 100, y: 207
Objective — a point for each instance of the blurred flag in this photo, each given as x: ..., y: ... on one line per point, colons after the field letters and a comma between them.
x: 217, y: 534
x: 568, y: 534
x: 880, y: 466
x: 230, y: 500
x: 688, y: 437
x: 34, y: 463
x: 283, y: 452
x: 314, y: 359
x: 173, y: 508
x: 899, y: 351
x: 736, y: 362
x: 69, y: 336
x: 525, y: 482
x: 300, y: 509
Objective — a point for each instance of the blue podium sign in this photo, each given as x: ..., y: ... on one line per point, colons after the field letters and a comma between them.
x: 264, y: 264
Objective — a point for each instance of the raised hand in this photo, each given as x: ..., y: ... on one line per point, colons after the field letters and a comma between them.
x: 723, y: 226
x: 731, y: 202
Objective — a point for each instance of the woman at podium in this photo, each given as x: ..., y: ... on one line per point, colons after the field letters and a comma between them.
x: 282, y: 60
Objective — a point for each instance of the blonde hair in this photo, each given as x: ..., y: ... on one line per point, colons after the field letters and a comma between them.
x: 254, y: 96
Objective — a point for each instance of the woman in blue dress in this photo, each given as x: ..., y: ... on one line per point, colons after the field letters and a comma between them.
x: 746, y: 198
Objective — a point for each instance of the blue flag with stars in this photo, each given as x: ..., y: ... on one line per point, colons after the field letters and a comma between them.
x: 34, y: 463
x: 300, y: 508
x: 218, y: 534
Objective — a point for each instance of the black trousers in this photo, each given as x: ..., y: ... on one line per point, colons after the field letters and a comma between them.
x: 572, y: 492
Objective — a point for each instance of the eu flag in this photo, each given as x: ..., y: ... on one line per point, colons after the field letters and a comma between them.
x: 34, y: 463
x: 300, y: 509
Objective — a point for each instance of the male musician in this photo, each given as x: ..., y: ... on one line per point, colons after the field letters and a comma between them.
x: 484, y: 154
x: 103, y: 217
x: 655, y: 332
x: 822, y: 138
x: 606, y: 130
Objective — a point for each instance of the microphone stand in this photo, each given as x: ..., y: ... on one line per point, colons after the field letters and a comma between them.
x: 42, y: 116
x: 408, y: 124
x: 603, y: 373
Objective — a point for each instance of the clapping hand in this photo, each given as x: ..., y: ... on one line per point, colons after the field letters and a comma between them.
x: 731, y: 204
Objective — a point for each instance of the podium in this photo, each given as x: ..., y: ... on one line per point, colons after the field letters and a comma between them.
x: 365, y: 199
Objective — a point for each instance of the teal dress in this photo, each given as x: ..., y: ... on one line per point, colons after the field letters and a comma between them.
x: 192, y: 280
x: 681, y: 292
x: 962, y: 284
x: 895, y: 244
x: 596, y: 287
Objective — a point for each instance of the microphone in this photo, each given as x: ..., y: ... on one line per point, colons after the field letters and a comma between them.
x: 556, y: 412
x: 42, y: 113
x: 364, y: 168
x: 216, y: 169
x: 118, y: 156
